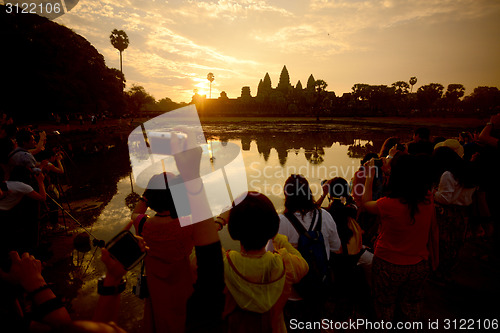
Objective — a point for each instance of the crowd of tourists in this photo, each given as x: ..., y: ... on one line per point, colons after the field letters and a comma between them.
x: 28, y: 177
x: 369, y: 249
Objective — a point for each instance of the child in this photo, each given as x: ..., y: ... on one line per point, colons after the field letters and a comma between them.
x: 258, y: 282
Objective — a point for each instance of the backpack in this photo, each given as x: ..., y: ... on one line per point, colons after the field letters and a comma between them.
x: 311, y: 246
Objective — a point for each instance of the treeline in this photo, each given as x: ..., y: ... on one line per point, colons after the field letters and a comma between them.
x: 429, y: 100
x: 398, y: 99
x: 139, y: 101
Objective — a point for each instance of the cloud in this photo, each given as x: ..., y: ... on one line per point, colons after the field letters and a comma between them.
x: 386, y: 13
x: 174, y: 44
x: 303, y: 39
x: 229, y: 9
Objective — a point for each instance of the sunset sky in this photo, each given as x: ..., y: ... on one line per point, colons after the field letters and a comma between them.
x: 174, y: 44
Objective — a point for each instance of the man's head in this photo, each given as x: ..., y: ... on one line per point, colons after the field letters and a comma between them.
x: 421, y: 134
x: 25, y: 139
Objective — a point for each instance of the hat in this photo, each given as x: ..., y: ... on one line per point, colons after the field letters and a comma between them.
x: 453, y: 144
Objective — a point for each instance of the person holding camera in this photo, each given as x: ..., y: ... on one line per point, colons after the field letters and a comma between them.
x: 178, y: 300
x: 22, y: 163
x: 407, y: 222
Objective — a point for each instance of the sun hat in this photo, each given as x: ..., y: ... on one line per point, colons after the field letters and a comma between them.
x: 453, y: 144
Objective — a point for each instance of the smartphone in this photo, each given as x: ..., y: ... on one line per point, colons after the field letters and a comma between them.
x: 160, y: 141
x: 125, y: 248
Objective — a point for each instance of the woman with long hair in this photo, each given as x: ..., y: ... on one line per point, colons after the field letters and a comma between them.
x: 400, y: 263
x: 300, y: 202
x: 301, y: 208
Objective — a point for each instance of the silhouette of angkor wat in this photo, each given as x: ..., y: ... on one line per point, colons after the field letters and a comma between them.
x: 364, y: 100
x: 285, y: 99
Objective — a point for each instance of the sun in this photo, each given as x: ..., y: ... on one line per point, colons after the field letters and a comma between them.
x: 201, y: 92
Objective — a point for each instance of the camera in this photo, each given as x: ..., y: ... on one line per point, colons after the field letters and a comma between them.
x: 160, y: 141
x: 378, y: 162
x: 125, y: 248
x: 400, y: 147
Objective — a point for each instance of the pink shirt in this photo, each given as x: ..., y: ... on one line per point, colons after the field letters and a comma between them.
x: 400, y: 241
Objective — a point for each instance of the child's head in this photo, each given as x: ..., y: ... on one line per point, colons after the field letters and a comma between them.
x: 253, y: 221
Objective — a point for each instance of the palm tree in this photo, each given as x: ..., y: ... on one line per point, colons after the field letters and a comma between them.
x: 119, y: 40
x: 211, y: 78
x: 413, y: 80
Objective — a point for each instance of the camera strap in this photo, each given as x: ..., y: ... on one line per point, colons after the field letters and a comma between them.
x: 142, y: 268
x: 140, y: 226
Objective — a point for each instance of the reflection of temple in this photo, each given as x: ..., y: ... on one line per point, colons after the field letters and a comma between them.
x: 313, y: 138
x: 358, y: 151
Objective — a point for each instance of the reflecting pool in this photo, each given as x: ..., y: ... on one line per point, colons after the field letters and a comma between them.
x: 271, y: 151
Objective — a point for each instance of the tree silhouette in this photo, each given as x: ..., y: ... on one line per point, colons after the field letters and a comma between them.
x: 137, y: 98
x: 119, y: 40
x: 483, y: 99
x: 361, y: 91
x: 413, y: 81
x: 429, y: 94
x: 320, y: 92
x: 454, y: 92
x: 401, y: 87
x: 66, y: 73
x: 211, y: 78
x: 320, y: 86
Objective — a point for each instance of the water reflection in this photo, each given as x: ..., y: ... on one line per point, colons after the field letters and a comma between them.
x: 312, y: 138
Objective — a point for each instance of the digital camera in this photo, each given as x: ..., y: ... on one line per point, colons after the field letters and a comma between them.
x: 125, y: 248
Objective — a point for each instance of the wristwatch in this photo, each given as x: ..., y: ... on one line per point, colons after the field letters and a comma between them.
x: 110, y: 290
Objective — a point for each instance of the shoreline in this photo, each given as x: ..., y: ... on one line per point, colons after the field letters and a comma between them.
x: 125, y: 126
x: 432, y: 122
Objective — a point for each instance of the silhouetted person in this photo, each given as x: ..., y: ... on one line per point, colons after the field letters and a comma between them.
x: 421, y: 142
